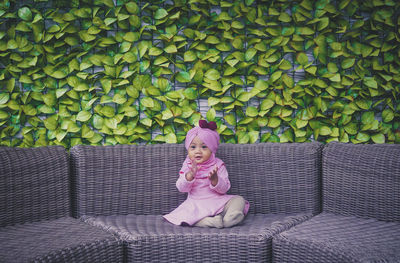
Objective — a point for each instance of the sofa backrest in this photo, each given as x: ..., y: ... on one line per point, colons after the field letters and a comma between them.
x: 362, y: 180
x: 34, y: 184
x: 126, y: 179
x: 140, y: 179
x: 276, y: 177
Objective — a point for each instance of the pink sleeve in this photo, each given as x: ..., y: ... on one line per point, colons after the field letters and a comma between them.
x: 223, y: 184
x: 182, y: 184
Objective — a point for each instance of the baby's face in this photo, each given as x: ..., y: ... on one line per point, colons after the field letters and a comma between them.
x: 198, y: 151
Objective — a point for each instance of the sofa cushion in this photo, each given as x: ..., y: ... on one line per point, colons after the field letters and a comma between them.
x: 61, y: 240
x: 150, y: 238
x: 362, y: 180
x: 335, y: 238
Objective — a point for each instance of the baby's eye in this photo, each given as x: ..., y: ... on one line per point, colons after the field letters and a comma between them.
x: 192, y: 147
x: 204, y: 147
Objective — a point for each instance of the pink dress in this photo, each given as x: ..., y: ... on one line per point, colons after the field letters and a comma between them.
x: 203, y: 198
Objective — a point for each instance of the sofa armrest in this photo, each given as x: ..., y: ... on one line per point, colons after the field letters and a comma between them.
x: 34, y: 184
x: 362, y: 180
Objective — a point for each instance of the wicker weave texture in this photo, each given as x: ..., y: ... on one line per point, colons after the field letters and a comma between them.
x: 362, y: 180
x: 132, y: 179
x: 276, y: 177
x: 61, y: 240
x: 150, y: 238
x: 34, y: 184
x: 127, y: 179
x: 334, y: 238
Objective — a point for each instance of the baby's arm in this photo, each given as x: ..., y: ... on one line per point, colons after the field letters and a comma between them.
x: 223, y: 184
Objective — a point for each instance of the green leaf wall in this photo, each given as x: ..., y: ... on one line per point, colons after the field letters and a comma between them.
x: 118, y: 72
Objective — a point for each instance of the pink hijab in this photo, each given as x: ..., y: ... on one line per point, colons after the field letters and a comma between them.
x: 208, y: 134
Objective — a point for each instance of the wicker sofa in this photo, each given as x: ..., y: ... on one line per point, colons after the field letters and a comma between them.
x: 308, y: 203
x: 360, y: 219
x: 36, y: 223
x: 125, y: 189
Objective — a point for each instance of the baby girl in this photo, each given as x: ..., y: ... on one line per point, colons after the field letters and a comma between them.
x: 205, y: 178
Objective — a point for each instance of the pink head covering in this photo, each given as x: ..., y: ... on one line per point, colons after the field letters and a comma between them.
x: 206, y: 132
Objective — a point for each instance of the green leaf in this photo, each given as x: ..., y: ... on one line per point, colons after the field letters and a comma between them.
x: 302, y: 58
x: 189, y: 56
x: 275, y: 76
x: 131, y: 36
x: 132, y: 8
x: 51, y: 122
x: 362, y: 137
x: 108, y: 111
x: 167, y: 114
x: 25, y: 13
x: 212, y: 74
x: 267, y: 104
x: 111, y: 123
x: 190, y: 93
x: 171, y: 138
x: 119, y: 99
x: 284, y: 17
x: 3, y: 115
x: 4, y: 97
x: 83, y: 116
x: 213, y: 101
x: 49, y: 99
x: 171, y: 49
x: 254, y: 136
x: 325, y: 130
x: 183, y: 77
x: 243, y: 137
x: 250, y: 53
x: 370, y: 82
x: 230, y: 119
x: 160, y: 13
x: 155, y: 51
x: 274, y: 122
x: 367, y: 117
x: 387, y: 115
x: 348, y: 63
x: 251, y: 111
x: 285, y: 65
x: 211, y: 114
x: 261, y: 85
x: 86, y: 132
x: 108, y: 21
x: 301, y: 123
x: 59, y: 74
x: 378, y: 138
x: 245, y: 96
x: 147, y: 102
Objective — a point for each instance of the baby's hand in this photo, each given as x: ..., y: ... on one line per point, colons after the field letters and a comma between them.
x: 192, y: 172
x: 213, y: 176
x: 194, y: 167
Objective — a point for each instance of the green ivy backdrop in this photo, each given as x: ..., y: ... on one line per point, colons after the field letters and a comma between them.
x: 119, y: 72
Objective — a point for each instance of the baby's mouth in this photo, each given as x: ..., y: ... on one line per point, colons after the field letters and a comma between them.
x: 198, y: 158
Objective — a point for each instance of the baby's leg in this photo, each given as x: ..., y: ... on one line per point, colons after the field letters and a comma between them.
x: 233, y: 211
x: 211, y: 221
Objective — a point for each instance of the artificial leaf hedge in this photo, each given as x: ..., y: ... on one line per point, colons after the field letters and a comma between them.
x: 109, y: 72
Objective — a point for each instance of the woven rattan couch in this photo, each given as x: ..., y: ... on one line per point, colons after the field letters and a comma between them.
x: 126, y: 189
x: 360, y: 219
x: 35, y: 212
x: 309, y: 203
